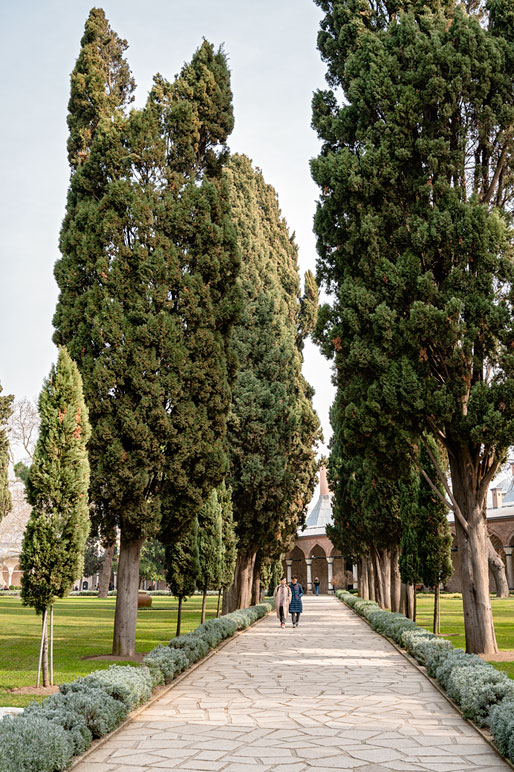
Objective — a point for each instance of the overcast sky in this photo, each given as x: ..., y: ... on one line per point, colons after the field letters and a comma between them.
x: 271, y: 47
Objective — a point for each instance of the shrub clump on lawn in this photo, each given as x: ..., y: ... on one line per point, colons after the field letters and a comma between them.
x: 33, y: 744
x: 130, y: 685
x: 483, y: 694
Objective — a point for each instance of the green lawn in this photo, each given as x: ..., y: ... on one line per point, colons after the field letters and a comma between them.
x: 452, y: 622
x: 82, y: 627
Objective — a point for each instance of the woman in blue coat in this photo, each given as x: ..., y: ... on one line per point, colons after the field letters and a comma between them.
x: 295, y: 606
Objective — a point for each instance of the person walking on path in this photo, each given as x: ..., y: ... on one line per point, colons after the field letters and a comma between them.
x: 316, y: 585
x: 282, y: 598
x: 296, y: 606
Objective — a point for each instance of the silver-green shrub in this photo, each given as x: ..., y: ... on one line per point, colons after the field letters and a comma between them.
x: 477, y: 689
x: 129, y: 685
x: 167, y: 662
x: 501, y: 723
x: 33, y: 744
x: 452, y: 659
x: 426, y: 649
x: 193, y: 646
x: 56, y: 709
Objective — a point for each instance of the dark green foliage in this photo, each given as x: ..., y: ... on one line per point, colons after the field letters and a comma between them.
x: 152, y: 565
x: 55, y: 536
x: 426, y: 526
x: 412, y: 228
x: 147, y: 280
x: 21, y: 471
x: 415, y: 243
x: 273, y: 429
x: 5, y: 496
x: 182, y: 563
x: 101, y: 84
x: 229, y: 538
x: 210, y: 547
x: 92, y: 558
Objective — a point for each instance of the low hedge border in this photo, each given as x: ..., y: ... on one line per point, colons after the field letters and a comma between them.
x: 47, y: 735
x: 484, y: 696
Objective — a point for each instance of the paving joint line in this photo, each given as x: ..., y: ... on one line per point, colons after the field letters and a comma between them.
x: 162, y: 692
x: 434, y: 683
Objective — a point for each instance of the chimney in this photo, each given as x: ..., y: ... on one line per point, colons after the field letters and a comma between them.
x: 497, y: 498
x: 323, y: 484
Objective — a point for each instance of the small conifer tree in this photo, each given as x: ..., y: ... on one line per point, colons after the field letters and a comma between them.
x: 55, y: 537
x: 183, y: 567
x: 210, y: 550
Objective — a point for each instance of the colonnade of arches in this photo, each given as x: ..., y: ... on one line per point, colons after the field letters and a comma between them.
x: 317, y: 563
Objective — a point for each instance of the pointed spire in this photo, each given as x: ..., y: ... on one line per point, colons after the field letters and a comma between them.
x: 323, y: 483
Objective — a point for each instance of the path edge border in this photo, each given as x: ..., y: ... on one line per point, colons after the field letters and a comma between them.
x: 161, y: 692
x: 434, y: 683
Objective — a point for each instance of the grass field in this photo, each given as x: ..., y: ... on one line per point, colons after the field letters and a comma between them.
x: 452, y: 622
x: 82, y: 628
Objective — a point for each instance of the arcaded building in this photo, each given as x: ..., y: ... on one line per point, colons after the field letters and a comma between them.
x: 313, y: 554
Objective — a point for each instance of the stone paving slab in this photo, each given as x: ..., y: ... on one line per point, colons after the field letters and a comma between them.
x: 328, y: 695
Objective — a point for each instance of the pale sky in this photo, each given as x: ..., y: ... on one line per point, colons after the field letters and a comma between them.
x: 275, y: 66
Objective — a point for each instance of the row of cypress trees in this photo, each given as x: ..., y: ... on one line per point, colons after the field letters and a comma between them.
x: 414, y: 228
x: 180, y: 304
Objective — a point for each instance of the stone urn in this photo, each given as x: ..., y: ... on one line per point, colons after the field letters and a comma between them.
x: 144, y: 600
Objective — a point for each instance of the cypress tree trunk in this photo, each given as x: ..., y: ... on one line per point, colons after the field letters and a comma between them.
x: 386, y: 572
x: 371, y: 579
x: 498, y: 571
x: 239, y: 594
x: 379, y: 579
x: 363, y: 579
x: 396, y: 582
x: 204, y: 601
x: 256, y: 586
x: 474, y: 559
x: 125, y: 621
x: 179, y: 615
x: 408, y: 601
x: 105, y: 573
x: 219, y: 603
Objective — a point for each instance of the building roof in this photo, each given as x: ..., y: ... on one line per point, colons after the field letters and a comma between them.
x: 321, y: 514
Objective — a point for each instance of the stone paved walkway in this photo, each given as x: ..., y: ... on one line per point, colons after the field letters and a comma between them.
x: 329, y: 695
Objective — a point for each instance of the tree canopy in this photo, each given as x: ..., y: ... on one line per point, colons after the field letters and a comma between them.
x: 415, y: 244
x: 273, y: 429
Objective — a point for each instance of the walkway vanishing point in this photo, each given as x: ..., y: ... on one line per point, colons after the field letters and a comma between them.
x: 329, y: 695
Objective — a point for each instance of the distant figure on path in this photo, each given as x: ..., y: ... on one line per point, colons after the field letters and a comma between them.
x: 316, y: 585
x: 282, y: 598
x: 296, y: 606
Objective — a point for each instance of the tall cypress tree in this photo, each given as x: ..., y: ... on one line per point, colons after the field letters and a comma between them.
x: 183, y: 567
x: 414, y: 238
x: 273, y: 429
x: 55, y: 537
x: 147, y: 300
x: 210, y: 534
x: 228, y: 541
x: 5, y: 495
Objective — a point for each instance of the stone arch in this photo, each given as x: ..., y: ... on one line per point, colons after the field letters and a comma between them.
x: 319, y: 567
x: 299, y: 566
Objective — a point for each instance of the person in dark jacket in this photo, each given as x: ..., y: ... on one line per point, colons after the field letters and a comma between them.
x: 295, y: 606
x: 316, y: 585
